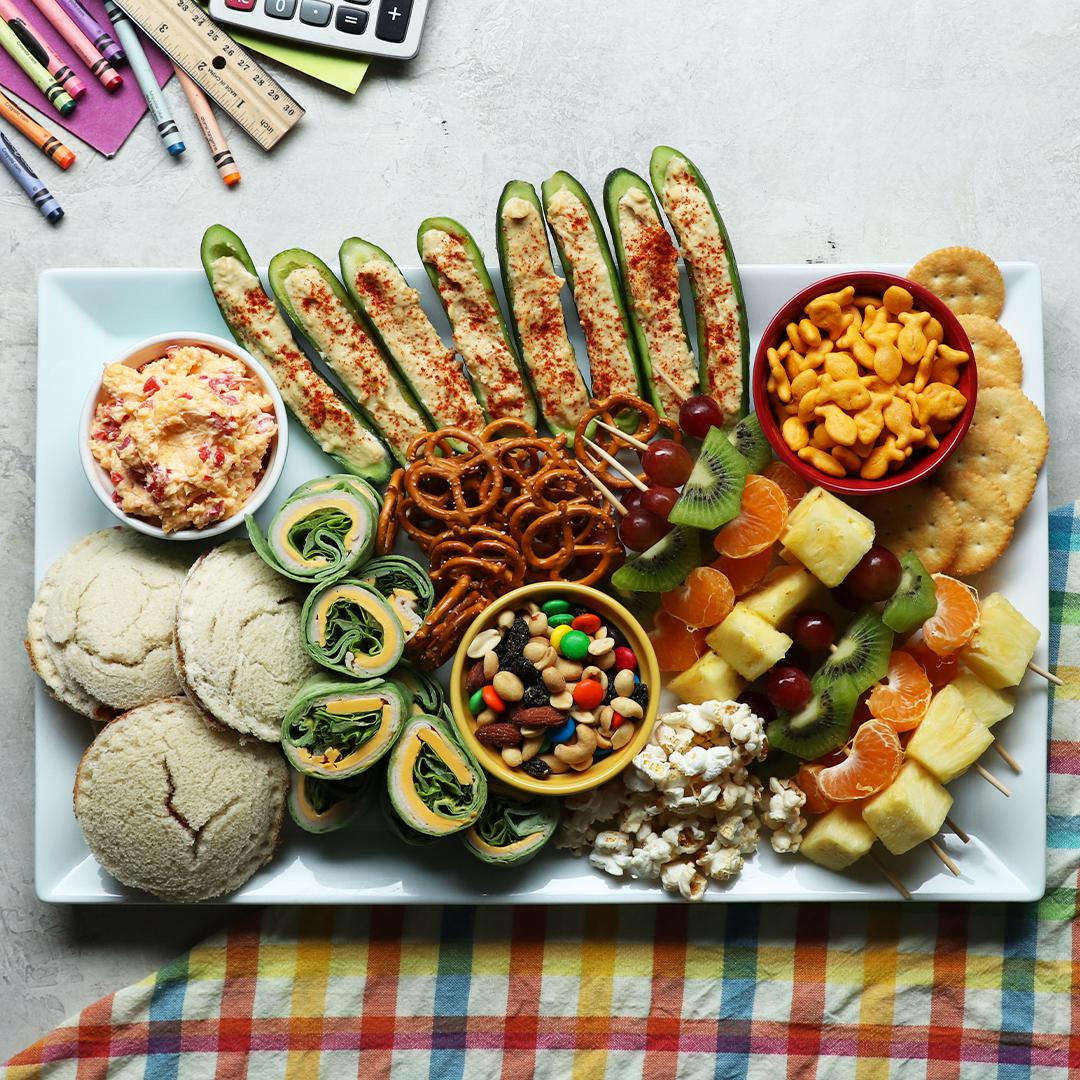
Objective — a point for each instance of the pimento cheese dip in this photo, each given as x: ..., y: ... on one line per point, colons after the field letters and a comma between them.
x: 184, y: 438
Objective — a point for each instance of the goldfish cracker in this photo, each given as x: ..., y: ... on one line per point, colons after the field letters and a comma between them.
x: 897, y: 299
x: 825, y: 314
x: 795, y: 433
x: 864, y: 301
x: 926, y: 364
x: 842, y: 297
x: 869, y: 423
x: 887, y: 362
x: 778, y: 379
x: 841, y: 427
x: 822, y: 461
x: 849, y: 394
x: 877, y: 464
x: 793, y: 364
x: 864, y: 352
x: 880, y: 330
x: 784, y: 349
x: 809, y: 333
x: 939, y: 401
x: 840, y: 365
x: 852, y: 313
x: 848, y: 458
x: 808, y: 403
x: 934, y: 329
x: 947, y: 364
x: 796, y: 342
x: 911, y: 341
x: 821, y: 439
x: 897, y: 416
x: 862, y: 450
x: 804, y: 381
x: 907, y: 374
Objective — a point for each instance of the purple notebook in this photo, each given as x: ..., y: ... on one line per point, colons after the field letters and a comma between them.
x: 101, y: 119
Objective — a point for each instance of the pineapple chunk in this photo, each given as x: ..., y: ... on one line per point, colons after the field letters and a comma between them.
x: 1003, y: 645
x: 838, y: 838
x: 910, y: 810
x: 782, y: 593
x: 987, y: 704
x: 827, y: 536
x: 949, y: 739
x: 748, y: 643
x: 710, y: 678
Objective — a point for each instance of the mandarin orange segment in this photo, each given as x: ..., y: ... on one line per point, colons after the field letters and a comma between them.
x: 787, y: 480
x: 806, y: 779
x: 904, y: 697
x: 874, y: 758
x: 704, y: 599
x: 760, y: 522
x: 745, y: 574
x: 951, y: 627
x: 676, y: 645
x: 940, y: 670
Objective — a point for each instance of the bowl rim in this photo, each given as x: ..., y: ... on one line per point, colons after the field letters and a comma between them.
x: 568, y: 783
x: 954, y: 335
x: 96, y: 476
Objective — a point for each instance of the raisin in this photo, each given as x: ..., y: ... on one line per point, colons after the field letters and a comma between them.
x: 537, y: 768
x: 610, y: 693
x: 641, y: 695
x: 522, y: 668
x: 513, y: 643
x: 537, y: 694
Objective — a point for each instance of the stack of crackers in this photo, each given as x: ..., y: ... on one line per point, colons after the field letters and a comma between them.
x: 961, y: 521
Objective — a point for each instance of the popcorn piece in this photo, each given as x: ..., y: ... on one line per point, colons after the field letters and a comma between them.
x: 784, y: 815
x: 682, y: 878
x: 611, y: 852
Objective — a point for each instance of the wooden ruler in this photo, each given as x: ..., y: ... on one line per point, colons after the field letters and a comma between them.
x: 226, y: 73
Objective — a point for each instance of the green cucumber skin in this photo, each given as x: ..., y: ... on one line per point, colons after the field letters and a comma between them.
x: 618, y: 183
x: 548, y: 189
x: 658, y: 164
x: 281, y: 266
x: 217, y: 241
x: 476, y: 257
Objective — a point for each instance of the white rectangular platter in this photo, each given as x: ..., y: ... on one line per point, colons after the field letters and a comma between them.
x: 87, y: 318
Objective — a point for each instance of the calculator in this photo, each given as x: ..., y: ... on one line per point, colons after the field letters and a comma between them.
x: 375, y: 27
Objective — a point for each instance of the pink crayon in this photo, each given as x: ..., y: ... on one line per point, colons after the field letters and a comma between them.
x: 59, y: 69
x: 80, y: 44
x: 95, y: 33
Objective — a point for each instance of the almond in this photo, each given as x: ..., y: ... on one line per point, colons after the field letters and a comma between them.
x: 540, y: 716
x: 499, y: 735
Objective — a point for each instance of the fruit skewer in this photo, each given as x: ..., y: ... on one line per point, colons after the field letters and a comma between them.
x: 617, y: 465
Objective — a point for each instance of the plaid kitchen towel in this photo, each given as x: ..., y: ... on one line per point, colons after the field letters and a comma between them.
x: 892, y: 990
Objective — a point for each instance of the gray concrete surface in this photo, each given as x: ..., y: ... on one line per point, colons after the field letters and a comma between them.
x: 830, y: 131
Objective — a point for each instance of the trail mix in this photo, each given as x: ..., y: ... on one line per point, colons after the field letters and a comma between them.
x: 553, y: 688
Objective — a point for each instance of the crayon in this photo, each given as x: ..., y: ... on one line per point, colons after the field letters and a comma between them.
x: 95, y: 33
x: 58, y: 97
x: 204, y: 114
x: 24, y: 175
x: 144, y: 76
x: 43, y: 139
x: 80, y: 44
x: 38, y: 47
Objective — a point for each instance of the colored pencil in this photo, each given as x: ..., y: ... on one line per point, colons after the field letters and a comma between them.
x: 99, y: 67
x: 147, y: 80
x: 95, y: 33
x: 37, y: 192
x: 204, y: 114
x: 58, y: 97
x: 42, y: 138
x: 39, y: 48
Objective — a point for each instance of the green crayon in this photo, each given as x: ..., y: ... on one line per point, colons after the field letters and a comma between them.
x: 58, y: 97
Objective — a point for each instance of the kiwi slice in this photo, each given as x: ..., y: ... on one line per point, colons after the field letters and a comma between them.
x: 914, y: 600
x: 661, y: 567
x: 821, y: 725
x: 861, y: 656
x: 713, y: 493
x: 748, y: 438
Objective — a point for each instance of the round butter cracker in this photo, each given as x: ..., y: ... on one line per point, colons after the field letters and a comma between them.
x: 1008, y: 418
x: 980, y: 454
x: 984, y: 511
x: 920, y: 518
x: 997, y: 356
x: 968, y: 280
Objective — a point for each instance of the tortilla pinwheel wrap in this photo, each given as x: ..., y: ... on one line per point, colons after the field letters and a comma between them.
x: 322, y: 531
x: 405, y: 585
x: 322, y: 806
x: 349, y: 626
x: 435, y: 785
x: 512, y: 828
x: 398, y: 827
x: 336, y: 728
x: 428, y: 693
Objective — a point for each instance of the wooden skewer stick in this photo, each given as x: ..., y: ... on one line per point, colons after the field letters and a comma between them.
x: 1049, y: 676
x: 940, y: 853
x: 637, y: 444
x: 990, y: 778
x: 617, y: 465
x: 603, y: 489
x: 890, y: 877
x: 681, y: 394
x: 1007, y: 757
x: 963, y: 836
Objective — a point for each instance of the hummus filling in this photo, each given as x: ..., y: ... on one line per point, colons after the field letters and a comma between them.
x: 395, y: 310
x: 652, y: 280
x: 706, y: 257
x: 255, y: 317
x: 183, y: 438
x: 478, y: 331
x: 611, y: 363
x: 353, y: 356
x: 537, y: 309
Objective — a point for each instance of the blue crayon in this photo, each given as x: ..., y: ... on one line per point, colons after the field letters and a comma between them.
x: 24, y: 175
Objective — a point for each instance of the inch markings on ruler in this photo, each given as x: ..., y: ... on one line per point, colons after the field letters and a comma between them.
x: 225, y: 72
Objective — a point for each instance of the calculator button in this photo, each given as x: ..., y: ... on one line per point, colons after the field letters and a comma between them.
x: 393, y: 20
x: 351, y: 22
x: 280, y: 9
x: 315, y: 12
x: 362, y: 3
x: 240, y: 5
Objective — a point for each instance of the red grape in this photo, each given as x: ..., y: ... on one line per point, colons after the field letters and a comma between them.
x: 641, y: 528
x: 759, y: 705
x: 788, y: 688
x: 632, y: 499
x: 813, y: 631
x: 875, y: 576
x: 658, y: 499
x: 666, y: 462
x: 699, y: 413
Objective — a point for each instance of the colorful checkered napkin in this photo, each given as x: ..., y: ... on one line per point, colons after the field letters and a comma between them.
x: 674, y: 991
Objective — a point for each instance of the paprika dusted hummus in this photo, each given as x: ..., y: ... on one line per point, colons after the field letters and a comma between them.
x: 183, y: 438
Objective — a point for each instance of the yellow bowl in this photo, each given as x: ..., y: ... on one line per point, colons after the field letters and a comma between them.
x: 557, y: 783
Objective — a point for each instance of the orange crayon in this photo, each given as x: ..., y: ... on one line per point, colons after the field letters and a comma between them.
x: 42, y: 138
x: 204, y: 114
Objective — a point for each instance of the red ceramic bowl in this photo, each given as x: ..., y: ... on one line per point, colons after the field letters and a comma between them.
x: 920, y: 465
